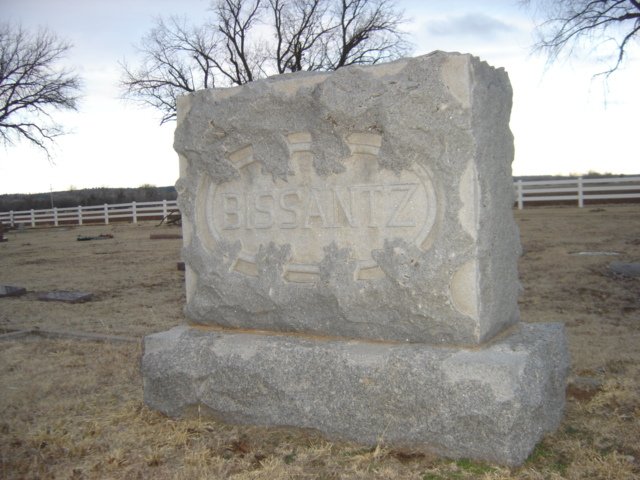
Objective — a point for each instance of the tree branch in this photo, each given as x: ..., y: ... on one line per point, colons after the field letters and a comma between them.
x: 31, y: 85
x: 231, y: 49
x: 572, y: 22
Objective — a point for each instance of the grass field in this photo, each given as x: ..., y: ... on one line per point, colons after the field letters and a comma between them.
x: 73, y: 409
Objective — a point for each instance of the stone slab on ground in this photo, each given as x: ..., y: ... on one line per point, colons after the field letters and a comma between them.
x: 165, y: 236
x: 68, y: 296
x: 625, y: 269
x: 371, y: 202
x: 11, y: 291
x: 493, y: 403
x: 88, y: 238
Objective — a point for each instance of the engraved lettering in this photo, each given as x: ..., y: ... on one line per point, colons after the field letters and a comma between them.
x: 357, y: 209
x: 248, y: 202
x: 372, y: 190
x: 264, y: 210
x: 372, y: 208
x: 409, y: 190
x: 352, y: 207
x: 347, y: 211
x: 292, y: 222
x: 231, y: 219
x: 313, y: 209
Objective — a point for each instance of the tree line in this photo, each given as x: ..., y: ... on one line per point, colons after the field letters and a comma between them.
x: 85, y: 197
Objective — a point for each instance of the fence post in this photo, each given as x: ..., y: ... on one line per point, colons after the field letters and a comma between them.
x: 580, y: 193
x: 164, y: 208
x: 106, y: 214
x: 79, y: 214
x: 12, y: 221
x: 520, y: 195
x: 134, y: 213
x: 33, y: 218
x: 55, y: 216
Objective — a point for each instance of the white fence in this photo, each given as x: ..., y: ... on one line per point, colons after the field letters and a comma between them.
x: 578, y: 190
x: 95, y: 214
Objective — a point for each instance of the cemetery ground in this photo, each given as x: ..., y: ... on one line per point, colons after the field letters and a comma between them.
x: 72, y: 408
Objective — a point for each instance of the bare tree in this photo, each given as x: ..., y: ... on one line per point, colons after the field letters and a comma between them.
x: 299, y: 29
x: 367, y: 32
x: 176, y: 59
x: 236, y: 19
x: 32, y: 84
x: 251, y: 39
x: 569, y: 22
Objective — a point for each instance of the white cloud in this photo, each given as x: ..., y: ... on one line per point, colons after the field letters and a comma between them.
x: 476, y: 25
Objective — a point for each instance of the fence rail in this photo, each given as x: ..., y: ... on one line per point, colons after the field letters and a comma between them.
x: 80, y: 215
x: 575, y: 190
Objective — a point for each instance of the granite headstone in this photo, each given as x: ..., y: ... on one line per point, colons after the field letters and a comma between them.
x: 351, y: 262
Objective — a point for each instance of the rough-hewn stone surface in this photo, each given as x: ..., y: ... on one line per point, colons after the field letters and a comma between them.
x: 492, y: 403
x: 372, y: 202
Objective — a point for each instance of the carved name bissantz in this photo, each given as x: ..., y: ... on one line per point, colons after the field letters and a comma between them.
x: 358, y: 208
x: 354, y: 207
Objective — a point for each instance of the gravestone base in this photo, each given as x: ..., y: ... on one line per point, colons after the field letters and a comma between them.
x: 490, y: 403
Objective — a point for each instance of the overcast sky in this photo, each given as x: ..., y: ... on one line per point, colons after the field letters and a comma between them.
x: 563, y: 120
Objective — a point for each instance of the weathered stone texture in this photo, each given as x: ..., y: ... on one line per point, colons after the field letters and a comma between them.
x: 373, y: 202
x: 324, y: 211
x: 492, y: 404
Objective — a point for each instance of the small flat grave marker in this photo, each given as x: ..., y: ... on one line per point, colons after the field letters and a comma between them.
x: 165, y: 236
x: 67, y: 296
x: 625, y: 269
x: 103, y: 236
x: 11, y: 291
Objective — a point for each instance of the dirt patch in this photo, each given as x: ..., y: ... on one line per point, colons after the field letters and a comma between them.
x: 74, y: 409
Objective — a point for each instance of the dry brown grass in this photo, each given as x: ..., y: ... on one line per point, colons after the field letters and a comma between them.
x: 73, y: 409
